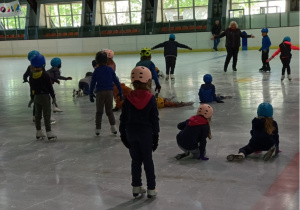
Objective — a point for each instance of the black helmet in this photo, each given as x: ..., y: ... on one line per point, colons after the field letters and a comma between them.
x: 101, y: 57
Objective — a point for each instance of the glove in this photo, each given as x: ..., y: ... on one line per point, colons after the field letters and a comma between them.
x: 92, y: 96
x: 125, y: 141
x: 121, y: 96
x: 30, y: 102
x: 25, y: 80
x: 155, y: 142
x: 190, y: 48
x: 158, y: 87
x: 203, y: 158
x: 220, y: 101
x: 259, y: 50
x: 54, y: 102
x: 269, y: 59
x: 69, y: 78
x: 57, y: 81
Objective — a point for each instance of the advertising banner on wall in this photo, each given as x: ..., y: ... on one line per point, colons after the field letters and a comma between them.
x: 10, y: 9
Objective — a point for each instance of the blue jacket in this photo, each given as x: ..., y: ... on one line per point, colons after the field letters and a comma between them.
x: 150, y: 65
x: 266, y: 43
x: 207, y: 93
x: 104, y: 77
x: 193, y: 131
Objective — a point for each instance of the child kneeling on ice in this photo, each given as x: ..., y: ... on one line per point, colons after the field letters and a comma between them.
x: 193, y: 134
x: 264, y: 135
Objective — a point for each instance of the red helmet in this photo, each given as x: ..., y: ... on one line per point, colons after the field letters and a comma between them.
x: 205, y: 110
x: 141, y: 73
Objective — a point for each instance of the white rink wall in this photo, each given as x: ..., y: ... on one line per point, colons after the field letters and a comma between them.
x: 199, y: 41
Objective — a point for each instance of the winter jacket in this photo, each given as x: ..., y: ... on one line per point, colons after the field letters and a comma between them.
x: 207, y: 93
x: 54, y: 74
x: 193, y: 131
x: 111, y: 64
x: 216, y: 29
x: 41, y: 85
x: 266, y: 43
x: 260, y: 139
x: 285, y: 49
x: 232, y: 37
x: 170, y: 47
x: 139, y: 112
x: 150, y: 65
x: 103, y: 78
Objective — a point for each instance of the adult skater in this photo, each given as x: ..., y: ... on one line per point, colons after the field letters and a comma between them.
x: 233, y: 42
x: 170, y: 53
x: 215, y: 31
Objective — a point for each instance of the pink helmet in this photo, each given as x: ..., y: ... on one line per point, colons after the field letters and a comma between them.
x: 141, y: 73
x: 205, y: 110
x: 110, y: 53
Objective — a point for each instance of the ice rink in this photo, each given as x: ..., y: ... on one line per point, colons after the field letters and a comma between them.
x: 82, y: 171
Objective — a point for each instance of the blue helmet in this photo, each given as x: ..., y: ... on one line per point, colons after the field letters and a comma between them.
x: 207, y: 78
x: 38, y: 61
x: 55, y: 62
x: 172, y: 36
x: 287, y: 38
x: 265, y: 30
x: 32, y: 53
x: 265, y: 110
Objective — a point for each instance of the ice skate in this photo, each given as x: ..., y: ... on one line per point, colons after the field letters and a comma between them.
x: 74, y: 92
x: 113, y: 129
x: 172, y: 77
x: 234, y: 69
x: 52, y: 120
x: 115, y: 109
x: 80, y: 93
x: 289, y: 77
x: 262, y: 69
x: 183, y: 155
x: 51, y: 136
x: 151, y: 193
x: 40, y: 135
x: 97, y: 131
x: 136, y: 191
x: 268, y: 69
x: 282, y: 77
x: 235, y: 157
x: 167, y: 77
x: 160, y: 74
x: 270, y: 153
x: 56, y: 109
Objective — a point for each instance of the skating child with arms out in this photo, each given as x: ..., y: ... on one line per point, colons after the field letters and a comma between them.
x: 264, y: 135
x: 285, y: 56
x: 41, y: 88
x: 193, y: 133
x: 139, y: 129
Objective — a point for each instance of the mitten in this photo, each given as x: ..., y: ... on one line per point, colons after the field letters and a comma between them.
x: 202, y: 157
x: 155, y: 142
x: 30, y: 102
x: 92, y: 96
x: 54, y: 102
x: 69, y: 78
x: 125, y: 141
x: 121, y: 96
x: 269, y: 59
x: 158, y: 87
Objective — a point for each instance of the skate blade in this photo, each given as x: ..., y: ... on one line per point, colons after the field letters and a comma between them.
x: 234, y: 157
x: 40, y: 138
x: 57, y: 111
x: 52, y: 138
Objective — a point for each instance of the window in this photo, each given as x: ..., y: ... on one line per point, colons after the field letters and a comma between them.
x: 175, y: 10
x: 16, y: 22
x: 63, y: 15
x: 259, y: 6
x: 121, y: 12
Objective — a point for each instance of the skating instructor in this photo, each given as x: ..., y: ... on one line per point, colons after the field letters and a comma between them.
x: 233, y: 42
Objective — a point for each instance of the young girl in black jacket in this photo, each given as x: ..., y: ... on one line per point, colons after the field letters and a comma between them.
x: 139, y: 130
x: 264, y: 135
x: 193, y: 134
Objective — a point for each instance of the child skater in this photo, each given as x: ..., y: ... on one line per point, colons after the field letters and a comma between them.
x: 103, y: 78
x: 264, y: 135
x: 193, y: 133
x: 55, y: 76
x: 146, y: 61
x: 285, y: 56
x: 139, y: 129
x: 266, y: 43
x: 170, y: 53
x: 40, y: 88
x: 168, y: 102
x: 207, y: 91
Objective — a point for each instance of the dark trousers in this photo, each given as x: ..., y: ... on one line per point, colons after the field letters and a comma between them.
x: 249, y: 149
x: 216, y: 43
x: 141, y: 153
x: 42, y: 104
x: 231, y: 52
x: 84, y: 87
x: 170, y: 63
x: 264, y: 58
x: 104, y: 98
x: 286, y: 65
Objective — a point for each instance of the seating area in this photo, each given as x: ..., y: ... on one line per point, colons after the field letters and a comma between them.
x: 12, y: 36
x: 119, y: 32
x: 179, y: 29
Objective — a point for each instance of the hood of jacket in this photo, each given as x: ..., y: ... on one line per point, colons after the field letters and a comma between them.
x: 139, y: 98
x: 197, y: 120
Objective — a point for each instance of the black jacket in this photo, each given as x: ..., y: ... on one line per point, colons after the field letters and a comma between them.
x: 216, y: 29
x: 233, y: 39
x: 41, y: 85
x: 260, y: 139
x: 170, y: 47
x: 193, y: 131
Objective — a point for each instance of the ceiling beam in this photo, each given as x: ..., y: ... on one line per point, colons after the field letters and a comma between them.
x: 33, y: 5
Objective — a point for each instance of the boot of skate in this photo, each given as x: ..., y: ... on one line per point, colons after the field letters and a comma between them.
x: 40, y: 135
x: 51, y: 136
x: 113, y: 129
x: 136, y: 191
